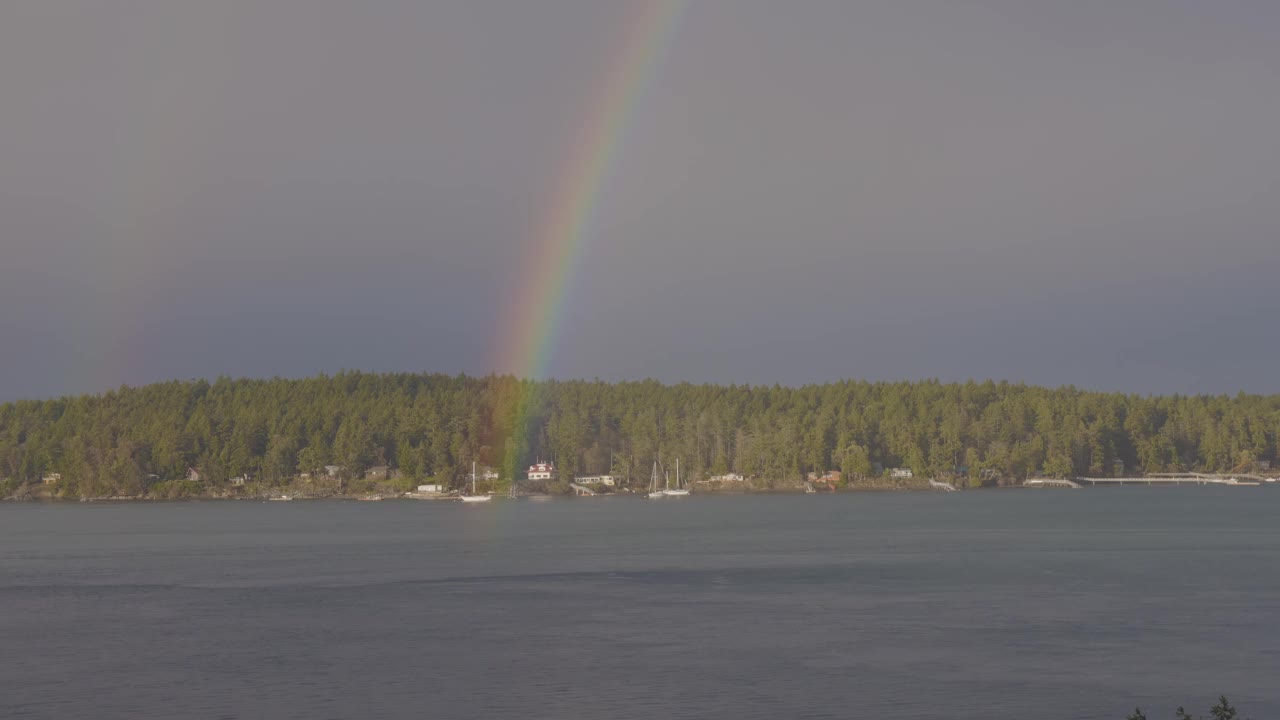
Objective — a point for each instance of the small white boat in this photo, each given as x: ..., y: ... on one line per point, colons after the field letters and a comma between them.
x: 654, y: 492
x: 676, y: 491
x: 473, y: 497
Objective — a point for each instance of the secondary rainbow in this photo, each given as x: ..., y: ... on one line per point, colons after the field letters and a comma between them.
x: 531, y: 327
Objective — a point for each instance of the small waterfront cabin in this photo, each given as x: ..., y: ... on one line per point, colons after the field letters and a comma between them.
x: 730, y: 477
x: 830, y: 478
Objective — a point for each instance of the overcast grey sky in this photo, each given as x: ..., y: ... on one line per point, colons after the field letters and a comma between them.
x: 1081, y: 192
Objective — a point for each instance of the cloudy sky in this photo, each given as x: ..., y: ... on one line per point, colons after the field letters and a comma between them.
x: 1059, y: 193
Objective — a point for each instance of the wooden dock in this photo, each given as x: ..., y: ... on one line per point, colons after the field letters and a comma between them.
x: 1051, y: 483
x: 1175, y: 479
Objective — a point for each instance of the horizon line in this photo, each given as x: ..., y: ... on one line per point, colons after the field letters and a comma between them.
x: 493, y: 374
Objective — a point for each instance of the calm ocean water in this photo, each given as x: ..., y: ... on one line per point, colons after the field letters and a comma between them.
x: 995, y: 604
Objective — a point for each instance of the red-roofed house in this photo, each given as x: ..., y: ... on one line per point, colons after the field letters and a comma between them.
x: 542, y: 471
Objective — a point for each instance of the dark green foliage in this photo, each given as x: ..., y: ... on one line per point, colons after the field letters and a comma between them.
x: 1220, y: 711
x: 434, y: 426
x: 1223, y: 710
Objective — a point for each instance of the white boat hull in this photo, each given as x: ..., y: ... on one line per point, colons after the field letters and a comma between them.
x: 657, y: 495
x: 476, y: 498
x: 676, y: 493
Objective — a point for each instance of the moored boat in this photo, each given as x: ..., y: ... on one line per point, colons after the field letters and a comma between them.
x: 473, y: 497
x: 654, y: 492
x: 679, y: 490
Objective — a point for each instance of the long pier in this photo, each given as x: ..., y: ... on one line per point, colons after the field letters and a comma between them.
x: 1152, y: 479
x: 1173, y: 479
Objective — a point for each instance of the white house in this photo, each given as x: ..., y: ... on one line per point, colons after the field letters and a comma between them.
x: 239, y: 480
x: 731, y: 477
x: 333, y: 470
x: 433, y: 488
x: 51, y: 478
x: 901, y: 473
x: 609, y: 480
x: 542, y: 471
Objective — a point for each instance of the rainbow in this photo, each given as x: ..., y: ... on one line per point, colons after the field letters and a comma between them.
x: 528, y: 334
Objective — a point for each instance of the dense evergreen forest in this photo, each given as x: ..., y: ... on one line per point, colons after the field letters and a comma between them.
x: 136, y: 441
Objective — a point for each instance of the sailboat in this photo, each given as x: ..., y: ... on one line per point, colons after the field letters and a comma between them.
x: 473, y: 497
x: 678, y: 490
x: 654, y: 492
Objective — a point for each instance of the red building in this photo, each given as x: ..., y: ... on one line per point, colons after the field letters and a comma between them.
x: 542, y: 471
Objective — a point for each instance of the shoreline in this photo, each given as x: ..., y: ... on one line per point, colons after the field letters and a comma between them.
x: 409, y: 497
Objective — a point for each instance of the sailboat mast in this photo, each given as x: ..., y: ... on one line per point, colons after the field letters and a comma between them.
x: 473, y: 477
